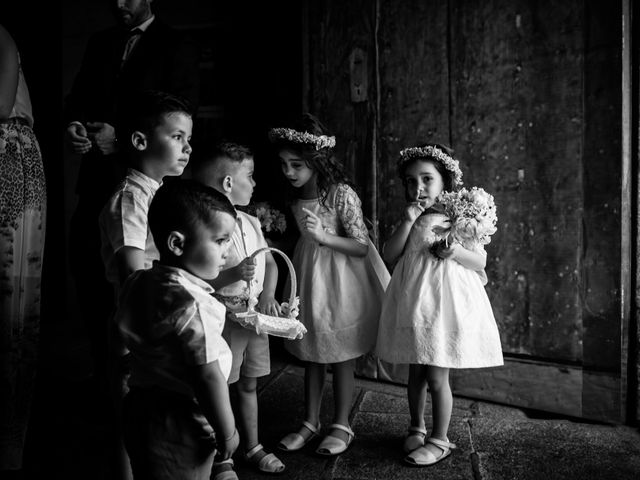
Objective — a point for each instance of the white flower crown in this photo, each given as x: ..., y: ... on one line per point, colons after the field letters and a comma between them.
x: 450, y: 163
x: 291, y: 135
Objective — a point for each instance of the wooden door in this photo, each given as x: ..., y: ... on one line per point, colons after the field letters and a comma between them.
x: 528, y: 95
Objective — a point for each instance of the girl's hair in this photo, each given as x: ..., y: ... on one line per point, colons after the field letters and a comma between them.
x: 447, y: 176
x: 329, y: 171
x: 180, y: 205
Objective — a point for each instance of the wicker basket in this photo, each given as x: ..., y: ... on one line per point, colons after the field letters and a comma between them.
x: 288, y: 326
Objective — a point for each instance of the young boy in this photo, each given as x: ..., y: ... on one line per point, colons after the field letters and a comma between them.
x: 154, y: 131
x: 229, y: 169
x: 172, y: 325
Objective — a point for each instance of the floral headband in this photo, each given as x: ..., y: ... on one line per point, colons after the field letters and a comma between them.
x: 291, y: 135
x: 450, y: 163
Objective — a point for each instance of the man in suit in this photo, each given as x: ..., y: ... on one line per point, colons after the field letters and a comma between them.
x: 140, y: 52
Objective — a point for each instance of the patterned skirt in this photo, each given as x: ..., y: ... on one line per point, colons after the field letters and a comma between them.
x: 22, y: 227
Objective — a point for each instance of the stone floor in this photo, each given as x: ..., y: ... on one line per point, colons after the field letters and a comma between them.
x: 68, y: 438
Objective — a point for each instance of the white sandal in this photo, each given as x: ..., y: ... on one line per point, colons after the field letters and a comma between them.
x: 228, y: 474
x: 269, y: 463
x: 422, y: 457
x: 295, y: 441
x: 333, y: 445
x: 415, y: 439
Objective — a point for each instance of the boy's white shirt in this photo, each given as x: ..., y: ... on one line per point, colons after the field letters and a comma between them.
x: 240, y: 249
x: 134, y: 193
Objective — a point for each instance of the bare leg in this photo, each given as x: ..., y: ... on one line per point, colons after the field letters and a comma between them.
x: 247, y: 411
x: 417, y: 394
x: 343, y: 388
x: 442, y: 403
x: 314, y: 380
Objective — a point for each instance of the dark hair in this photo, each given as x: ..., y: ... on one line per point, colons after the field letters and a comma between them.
x: 447, y: 177
x: 143, y: 111
x: 233, y: 151
x: 180, y: 204
x: 329, y: 171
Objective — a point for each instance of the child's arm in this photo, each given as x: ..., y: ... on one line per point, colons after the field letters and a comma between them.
x: 394, y: 246
x: 267, y: 303
x: 348, y: 246
x: 471, y: 259
x: 245, y: 270
x: 212, y: 394
x: 129, y: 260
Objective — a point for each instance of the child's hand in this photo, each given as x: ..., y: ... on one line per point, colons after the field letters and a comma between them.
x: 247, y: 269
x: 227, y: 446
x: 413, y: 211
x: 269, y: 306
x: 313, y: 226
x: 442, y: 250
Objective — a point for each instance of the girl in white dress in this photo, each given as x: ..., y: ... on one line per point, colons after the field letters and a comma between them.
x: 338, y: 280
x: 436, y: 314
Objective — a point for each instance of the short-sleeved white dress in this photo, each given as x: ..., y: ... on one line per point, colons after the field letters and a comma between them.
x: 436, y: 312
x: 340, y: 295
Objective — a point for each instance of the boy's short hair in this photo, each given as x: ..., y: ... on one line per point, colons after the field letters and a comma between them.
x: 142, y: 112
x: 180, y: 204
x: 213, y: 156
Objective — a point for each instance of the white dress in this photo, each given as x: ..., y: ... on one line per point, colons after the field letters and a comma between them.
x: 340, y: 295
x: 436, y: 312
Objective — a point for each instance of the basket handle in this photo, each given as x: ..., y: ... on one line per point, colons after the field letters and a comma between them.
x: 292, y: 271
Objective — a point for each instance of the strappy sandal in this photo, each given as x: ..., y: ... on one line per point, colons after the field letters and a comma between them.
x: 415, y: 439
x: 295, y: 441
x: 422, y: 457
x: 268, y: 463
x: 227, y: 474
x: 331, y: 445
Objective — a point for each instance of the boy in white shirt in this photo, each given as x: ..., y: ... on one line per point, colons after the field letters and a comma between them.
x: 177, y: 413
x: 229, y: 169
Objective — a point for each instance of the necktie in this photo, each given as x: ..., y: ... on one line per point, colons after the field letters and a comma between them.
x: 134, y: 36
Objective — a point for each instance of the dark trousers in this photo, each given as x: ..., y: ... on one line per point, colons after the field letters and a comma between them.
x: 166, y: 436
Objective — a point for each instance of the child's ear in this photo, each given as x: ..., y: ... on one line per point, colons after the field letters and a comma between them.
x: 227, y: 184
x: 139, y: 140
x: 175, y: 243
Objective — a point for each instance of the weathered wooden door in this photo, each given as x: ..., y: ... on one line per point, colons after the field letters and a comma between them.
x: 528, y: 95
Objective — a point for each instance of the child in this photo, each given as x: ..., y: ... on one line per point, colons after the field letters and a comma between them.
x: 155, y: 131
x: 340, y: 293
x: 229, y: 169
x: 172, y: 325
x: 436, y: 314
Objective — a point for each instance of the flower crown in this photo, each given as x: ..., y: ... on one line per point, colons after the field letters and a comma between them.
x: 291, y: 135
x: 450, y: 163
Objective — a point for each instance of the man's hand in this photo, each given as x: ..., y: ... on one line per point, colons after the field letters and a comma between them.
x: 77, y: 139
x: 103, y: 136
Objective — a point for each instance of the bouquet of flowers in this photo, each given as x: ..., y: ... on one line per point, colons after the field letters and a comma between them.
x: 472, y: 217
x: 271, y: 219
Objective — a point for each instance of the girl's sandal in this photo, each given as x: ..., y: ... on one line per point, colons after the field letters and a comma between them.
x: 422, y: 456
x: 295, y: 441
x: 223, y: 470
x: 266, y: 463
x: 333, y: 445
x: 415, y: 439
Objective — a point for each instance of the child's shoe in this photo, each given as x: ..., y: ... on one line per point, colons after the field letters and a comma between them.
x: 415, y: 439
x: 223, y: 470
x: 295, y: 441
x: 333, y: 445
x: 423, y: 456
x: 266, y: 463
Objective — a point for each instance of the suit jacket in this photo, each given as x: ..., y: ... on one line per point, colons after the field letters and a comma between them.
x: 163, y: 59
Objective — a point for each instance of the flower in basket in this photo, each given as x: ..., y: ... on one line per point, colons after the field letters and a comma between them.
x: 271, y: 219
x: 290, y: 311
x: 472, y: 217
